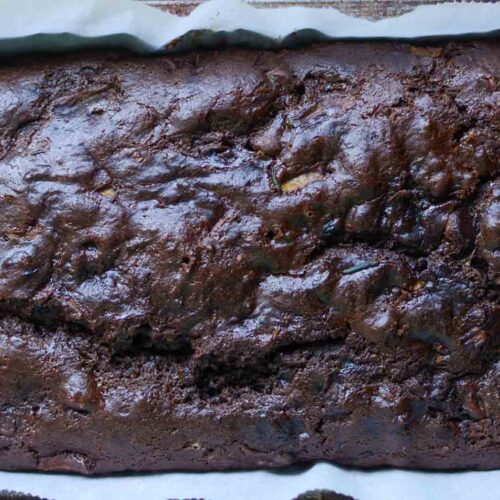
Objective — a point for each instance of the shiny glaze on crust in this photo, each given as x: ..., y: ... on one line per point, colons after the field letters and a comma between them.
x: 249, y: 258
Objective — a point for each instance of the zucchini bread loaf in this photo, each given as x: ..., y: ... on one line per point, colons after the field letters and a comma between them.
x: 244, y: 258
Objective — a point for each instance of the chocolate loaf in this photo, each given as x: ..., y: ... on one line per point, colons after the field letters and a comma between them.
x: 242, y: 258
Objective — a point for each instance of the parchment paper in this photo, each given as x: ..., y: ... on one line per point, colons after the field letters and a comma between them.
x: 63, y: 24
x: 27, y: 25
x: 259, y: 485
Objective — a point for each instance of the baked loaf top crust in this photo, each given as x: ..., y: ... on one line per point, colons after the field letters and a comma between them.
x: 249, y: 258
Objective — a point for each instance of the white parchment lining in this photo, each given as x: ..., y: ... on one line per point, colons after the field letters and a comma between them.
x: 28, y: 25
x: 63, y: 24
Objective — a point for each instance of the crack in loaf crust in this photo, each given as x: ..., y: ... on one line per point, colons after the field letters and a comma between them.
x: 249, y: 259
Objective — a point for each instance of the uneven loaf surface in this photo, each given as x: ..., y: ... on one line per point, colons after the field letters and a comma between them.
x: 248, y: 259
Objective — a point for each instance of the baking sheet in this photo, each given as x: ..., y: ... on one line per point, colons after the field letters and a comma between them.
x: 76, y: 23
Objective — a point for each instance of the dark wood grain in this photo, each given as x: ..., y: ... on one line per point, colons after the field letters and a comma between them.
x: 374, y: 9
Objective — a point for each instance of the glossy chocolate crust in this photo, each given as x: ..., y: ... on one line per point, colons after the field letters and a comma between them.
x: 323, y: 495
x: 243, y: 259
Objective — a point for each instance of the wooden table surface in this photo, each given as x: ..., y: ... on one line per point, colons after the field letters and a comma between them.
x: 374, y: 9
